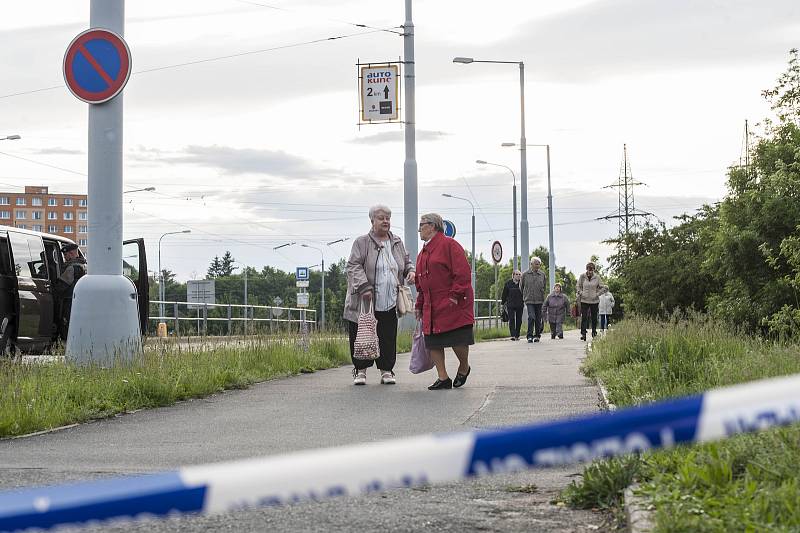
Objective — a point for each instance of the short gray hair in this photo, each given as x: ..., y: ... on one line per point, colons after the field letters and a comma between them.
x: 377, y: 208
x: 434, y: 219
x: 536, y: 260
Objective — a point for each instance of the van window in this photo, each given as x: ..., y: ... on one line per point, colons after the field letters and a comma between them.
x: 29, y: 256
x: 5, y: 258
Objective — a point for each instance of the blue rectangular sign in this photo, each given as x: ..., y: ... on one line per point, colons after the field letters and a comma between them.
x: 301, y: 273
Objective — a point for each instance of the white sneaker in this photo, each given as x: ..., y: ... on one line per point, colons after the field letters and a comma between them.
x: 387, y: 378
x: 359, y: 377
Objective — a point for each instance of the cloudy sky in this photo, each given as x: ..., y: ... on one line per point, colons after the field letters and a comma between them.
x: 244, y: 115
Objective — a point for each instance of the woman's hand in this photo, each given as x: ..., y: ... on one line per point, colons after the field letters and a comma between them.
x: 418, y: 314
x: 455, y: 302
x: 410, y: 278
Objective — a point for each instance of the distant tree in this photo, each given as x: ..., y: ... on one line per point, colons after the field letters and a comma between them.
x: 214, y: 268
x: 226, y: 267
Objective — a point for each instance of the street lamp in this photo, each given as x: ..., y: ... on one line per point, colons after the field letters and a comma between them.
x: 10, y: 138
x: 523, y: 179
x: 552, y: 255
x: 482, y: 162
x: 149, y: 189
x: 322, y: 321
x: 339, y: 240
x: 283, y: 245
x: 474, y: 278
x: 161, y: 275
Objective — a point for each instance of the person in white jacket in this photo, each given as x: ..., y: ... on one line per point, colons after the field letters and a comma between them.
x: 606, y: 309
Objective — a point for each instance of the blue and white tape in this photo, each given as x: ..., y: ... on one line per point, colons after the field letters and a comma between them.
x: 432, y: 459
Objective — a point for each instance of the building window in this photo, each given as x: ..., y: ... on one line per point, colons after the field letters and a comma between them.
x: 69, y: 216
x: 51, y: 215
x: 52, y: 229
x: 81, y: 242
x: 67, y: 229
x: 36, y: 215
x: 5, y: 214
x: 83, y: 229
x: 22, y: 226
x: 37, y: 227
x: 36, y: 201
x: 19, y: 215
x: 52, y: 202
x: 20, y: 201
x: 3, y: 200
x: 68, y: 202
x: 82, y: 202
x: 83, y: 216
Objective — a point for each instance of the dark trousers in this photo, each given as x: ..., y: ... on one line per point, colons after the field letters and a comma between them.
x: 586, y: 309
x: 604, y: 321
x: 534, y: 314
x: 557, y: 329
x: 387, y: 341
x: 514, y: 320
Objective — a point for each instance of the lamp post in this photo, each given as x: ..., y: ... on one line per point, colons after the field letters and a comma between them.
x: 523, y: 179
x: 339, y: 240
x: 474, y: 275
x: 10, y: 138
x: 482, y: 162
x: 149, y: 189
x: 161, y: 274
x: 246, y: 314
x: 551, y: 251
x: 322, y: 319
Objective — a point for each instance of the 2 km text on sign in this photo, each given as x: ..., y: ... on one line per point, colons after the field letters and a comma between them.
x: 379, y: 93
x: 97, y: 65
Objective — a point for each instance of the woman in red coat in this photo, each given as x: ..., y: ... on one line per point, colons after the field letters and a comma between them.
x: 444, y: 300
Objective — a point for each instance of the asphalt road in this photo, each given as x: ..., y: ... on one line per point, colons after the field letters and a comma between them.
x: 510, y: 383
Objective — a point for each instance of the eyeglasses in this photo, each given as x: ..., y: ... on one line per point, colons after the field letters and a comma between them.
x: 423, y: 224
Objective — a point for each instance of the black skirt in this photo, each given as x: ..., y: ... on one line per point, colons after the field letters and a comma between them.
x: 462, y: 336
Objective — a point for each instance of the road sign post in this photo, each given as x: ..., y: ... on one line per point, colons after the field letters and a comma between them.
x: 105, y: 321
x: 379, y: 88
x: 449, y: 228
x: 497, y: 256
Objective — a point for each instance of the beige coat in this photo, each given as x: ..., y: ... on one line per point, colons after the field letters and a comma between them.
x: 589, y: 290
x: 362, y: 265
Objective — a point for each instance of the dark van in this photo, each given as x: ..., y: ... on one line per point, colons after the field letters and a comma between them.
x: 30, y: 263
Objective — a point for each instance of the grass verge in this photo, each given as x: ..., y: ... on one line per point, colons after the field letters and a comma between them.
x: 38, y: 397
x: 745, y: 483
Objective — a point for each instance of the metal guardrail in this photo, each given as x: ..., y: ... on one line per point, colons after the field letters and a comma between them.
x: 492, y: 310
x: 249, y: 316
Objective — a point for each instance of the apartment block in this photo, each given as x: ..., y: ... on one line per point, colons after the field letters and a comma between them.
x: 38, y: 210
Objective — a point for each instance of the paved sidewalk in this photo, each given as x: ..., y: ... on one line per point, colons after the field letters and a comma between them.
x: 510, y: 383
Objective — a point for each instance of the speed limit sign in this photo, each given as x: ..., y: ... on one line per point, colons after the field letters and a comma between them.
x: 497, y: 251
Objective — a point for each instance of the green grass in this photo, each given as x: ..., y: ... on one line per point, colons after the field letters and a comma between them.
x: 744, y: 483
x: 38, y: 397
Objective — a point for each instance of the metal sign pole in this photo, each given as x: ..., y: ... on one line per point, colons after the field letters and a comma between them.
x: 104, y: 324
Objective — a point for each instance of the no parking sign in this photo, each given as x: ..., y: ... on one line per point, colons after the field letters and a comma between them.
x: 97, y: 65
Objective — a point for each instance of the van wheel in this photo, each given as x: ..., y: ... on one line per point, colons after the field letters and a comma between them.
x: 7, y: 347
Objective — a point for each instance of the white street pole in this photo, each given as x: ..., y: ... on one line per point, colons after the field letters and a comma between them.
x: 552, y: 252
x: 410, y: 165
x: 523, y: 179
x: 514, y: 201
x: 322, y: 255
x: 161, y: 291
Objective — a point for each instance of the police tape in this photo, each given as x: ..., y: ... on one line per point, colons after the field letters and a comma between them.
x: 315, y: 475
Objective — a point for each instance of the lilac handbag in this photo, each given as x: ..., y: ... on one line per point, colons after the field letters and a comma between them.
x: 420, y: 356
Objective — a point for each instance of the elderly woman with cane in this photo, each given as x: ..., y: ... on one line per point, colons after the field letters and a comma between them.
x: 378, y: 265
x: 444, y: 300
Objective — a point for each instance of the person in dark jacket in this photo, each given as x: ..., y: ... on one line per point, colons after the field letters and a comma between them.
x: 74, y: 269
x: 512, y: 300
x: 444, y: 300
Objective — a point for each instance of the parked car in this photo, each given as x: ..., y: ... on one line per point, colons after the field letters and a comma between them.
x: 30, y: 263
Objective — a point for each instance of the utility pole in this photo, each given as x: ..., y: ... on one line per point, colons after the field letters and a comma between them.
x: 410, y: 204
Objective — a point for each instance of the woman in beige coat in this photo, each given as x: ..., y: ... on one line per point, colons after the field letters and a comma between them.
x: 378, y: 264
x: 590, y: 287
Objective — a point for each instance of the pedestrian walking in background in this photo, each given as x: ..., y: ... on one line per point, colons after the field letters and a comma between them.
x: 590, y: 287
x: 533, y: 285
x: 554, y: 310
x: 512, y: 300
x: 444, y: 300
x: 606, y: 309
x: 378, y: 265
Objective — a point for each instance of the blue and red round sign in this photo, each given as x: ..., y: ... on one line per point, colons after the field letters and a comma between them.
x: 97, y: 65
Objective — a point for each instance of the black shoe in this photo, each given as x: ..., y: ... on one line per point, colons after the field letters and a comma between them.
x: 561, y: 336
x: 461, y: 378
x: 536, y: 339
x: 553, y: 336
x: 530, y: 339
x: 439, y: 384
x: 594, y: 334
x: 583, y: 337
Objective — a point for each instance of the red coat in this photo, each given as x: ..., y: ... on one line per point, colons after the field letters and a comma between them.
x: 443, y: 273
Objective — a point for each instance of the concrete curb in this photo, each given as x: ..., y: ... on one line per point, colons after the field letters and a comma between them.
x: 638, y: 512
